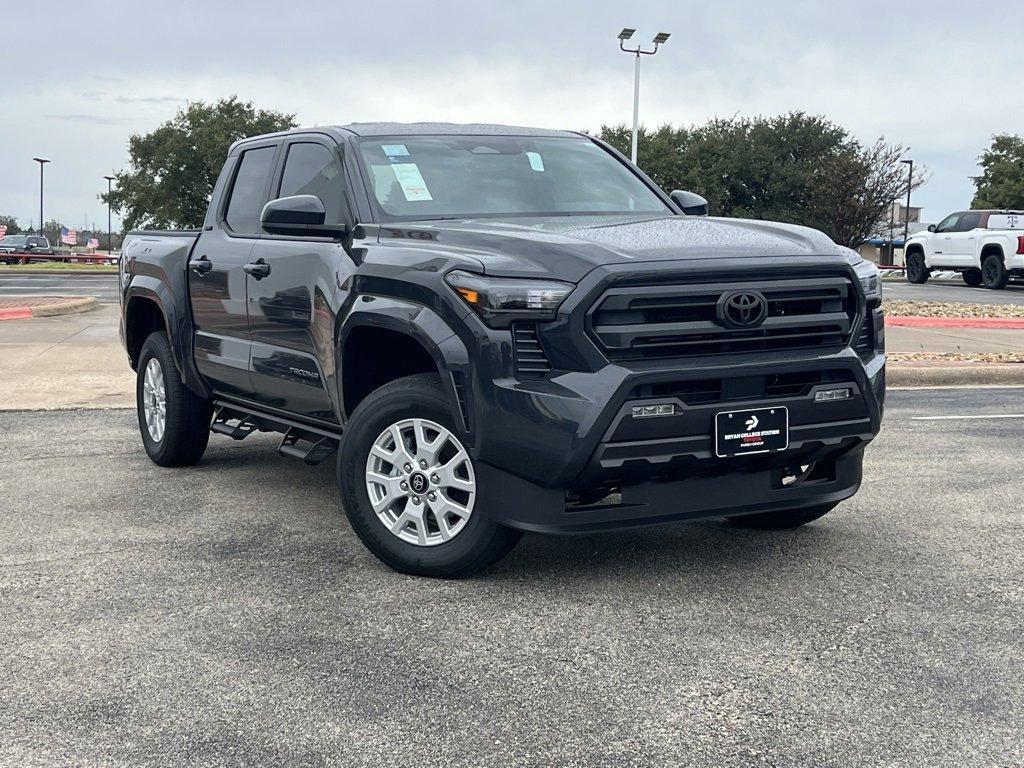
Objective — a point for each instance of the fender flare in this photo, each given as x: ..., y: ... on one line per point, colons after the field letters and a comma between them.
x: 177, y: 323
x: 424, y: 326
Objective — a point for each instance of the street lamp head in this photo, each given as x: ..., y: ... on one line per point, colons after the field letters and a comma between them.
x: 40, y: 160
x: 661, y: 37
x: 907, y: 162
x: 626, y: 33
x: 110, y: 178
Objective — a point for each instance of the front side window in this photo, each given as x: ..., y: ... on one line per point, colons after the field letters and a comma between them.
x: 948, y: 223
x: 312, y: 169
x: 431, y: 177
x: 249, y: 190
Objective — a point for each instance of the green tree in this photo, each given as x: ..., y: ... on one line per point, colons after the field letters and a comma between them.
x: 12, y: 225
x: 1001, y: 184
x: 172, y: 170
x: 795, y: 168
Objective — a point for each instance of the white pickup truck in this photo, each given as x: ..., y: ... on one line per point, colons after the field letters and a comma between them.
x: 985, y: 247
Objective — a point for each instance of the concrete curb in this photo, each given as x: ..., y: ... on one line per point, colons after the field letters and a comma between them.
x: 951, y: 374
x: 72, y: 305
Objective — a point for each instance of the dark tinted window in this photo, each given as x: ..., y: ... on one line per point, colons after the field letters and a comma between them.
x: 248, y: 191
x: 38, y: 241
x: 312, y: 169
x: 948, y: 224
x: 968, y: 222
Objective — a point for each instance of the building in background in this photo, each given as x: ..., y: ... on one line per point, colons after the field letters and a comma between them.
x: 886, y: 245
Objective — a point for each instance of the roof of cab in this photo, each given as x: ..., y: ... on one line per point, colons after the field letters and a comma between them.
x: 448, y: 129
x: 363, y: 130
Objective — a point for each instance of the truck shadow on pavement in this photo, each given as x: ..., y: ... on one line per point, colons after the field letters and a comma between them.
x: 673, y: 550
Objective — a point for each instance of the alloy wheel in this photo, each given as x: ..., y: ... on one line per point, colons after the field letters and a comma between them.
x: 420, y: 481
x: 154, y: 400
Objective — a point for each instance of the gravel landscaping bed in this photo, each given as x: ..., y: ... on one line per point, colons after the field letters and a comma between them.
x: 956, y: 357
x: 894, y: 307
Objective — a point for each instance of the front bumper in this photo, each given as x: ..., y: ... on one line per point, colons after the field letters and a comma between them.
x: 575, y: 432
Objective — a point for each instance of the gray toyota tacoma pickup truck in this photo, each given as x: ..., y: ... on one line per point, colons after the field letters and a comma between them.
x: 500, y: 330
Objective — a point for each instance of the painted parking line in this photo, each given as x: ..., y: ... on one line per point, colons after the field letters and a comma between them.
x: 969, y: 418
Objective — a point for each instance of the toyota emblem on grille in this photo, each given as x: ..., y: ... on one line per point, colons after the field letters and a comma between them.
x: 742, y: 309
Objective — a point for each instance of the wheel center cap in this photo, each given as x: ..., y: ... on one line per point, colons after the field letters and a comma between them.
x: 418, y: 482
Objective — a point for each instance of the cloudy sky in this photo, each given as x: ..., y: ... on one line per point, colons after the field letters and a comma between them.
x: 940, y: 77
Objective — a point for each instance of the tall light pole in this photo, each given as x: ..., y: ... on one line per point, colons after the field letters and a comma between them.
x: 906, y: 213
x: 41, y: 162
x: 110, y: 247
x: 659, y: 39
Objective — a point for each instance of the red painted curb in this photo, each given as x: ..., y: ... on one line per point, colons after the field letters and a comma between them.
x: 15, y: 313
x: 956, y: 322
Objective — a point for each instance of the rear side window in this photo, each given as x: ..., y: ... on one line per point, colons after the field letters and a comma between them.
x: 249, y: 190
x: 312, y: 169
x: 968, y: 222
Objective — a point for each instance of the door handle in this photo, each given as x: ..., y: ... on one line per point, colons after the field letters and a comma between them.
x: 200, y: 266
x: 258, y: 269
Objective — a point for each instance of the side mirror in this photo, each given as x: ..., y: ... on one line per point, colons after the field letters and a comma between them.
x: 690, y: 203
x: 931, y: 227
x: 298, y: 215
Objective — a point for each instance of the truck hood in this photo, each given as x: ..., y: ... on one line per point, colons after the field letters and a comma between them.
x: 569, y: 247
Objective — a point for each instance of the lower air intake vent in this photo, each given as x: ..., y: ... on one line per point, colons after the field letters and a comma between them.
x: 531, y: 362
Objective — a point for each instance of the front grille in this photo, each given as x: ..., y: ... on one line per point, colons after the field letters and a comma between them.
x: 775, y: 386
x: 531, y: 362
x: 644, y: 321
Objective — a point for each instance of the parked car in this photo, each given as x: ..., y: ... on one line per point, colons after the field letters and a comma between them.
x: 503, y: 330
x: 985, y: 247
x: 19, y: 249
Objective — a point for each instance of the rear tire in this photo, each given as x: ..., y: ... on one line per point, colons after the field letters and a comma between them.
x: 173, y: 420
x: 917, y: 271
x: 401, y: 526
x: 972, y: 277
x: 994, y: 272
x: 774, y: 521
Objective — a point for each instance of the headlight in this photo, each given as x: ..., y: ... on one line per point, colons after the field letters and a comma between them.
x: 500, y: 300
x: 870, y: 281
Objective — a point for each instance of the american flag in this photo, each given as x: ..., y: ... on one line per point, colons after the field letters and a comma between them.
x: 3, y: 230
x: 68, y: 236
x: 93, y: 243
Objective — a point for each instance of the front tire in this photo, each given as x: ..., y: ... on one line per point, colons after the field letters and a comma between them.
x: 972, y: 277
x: 173, y: 420
x: 785, y: 519
x: 994, y: 272
x: 409, y: 487
x: 917, y: 270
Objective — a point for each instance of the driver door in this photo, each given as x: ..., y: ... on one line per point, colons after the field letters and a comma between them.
x: 942, y: 242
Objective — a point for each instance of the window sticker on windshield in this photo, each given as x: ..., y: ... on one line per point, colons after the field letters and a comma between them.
x: 395, y: 151
x: 536, y: 161
x: 411, y: 181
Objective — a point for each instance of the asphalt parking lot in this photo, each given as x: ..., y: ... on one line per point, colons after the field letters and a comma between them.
x: 952, y: 290
x: 226, y: 615
x: 102, y: 286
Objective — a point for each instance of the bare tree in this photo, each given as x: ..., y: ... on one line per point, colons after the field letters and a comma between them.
x: 856, y: 190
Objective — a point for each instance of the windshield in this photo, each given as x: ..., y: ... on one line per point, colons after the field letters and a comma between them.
x: 13, y: 240
x: 431, y: 177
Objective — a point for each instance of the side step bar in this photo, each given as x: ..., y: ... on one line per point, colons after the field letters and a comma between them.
x: 301, y: 441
